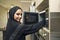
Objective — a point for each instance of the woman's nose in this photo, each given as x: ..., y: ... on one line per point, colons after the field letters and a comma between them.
x: 20, y: 16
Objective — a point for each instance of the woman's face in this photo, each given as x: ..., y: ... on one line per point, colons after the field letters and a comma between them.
x: 18, y: 15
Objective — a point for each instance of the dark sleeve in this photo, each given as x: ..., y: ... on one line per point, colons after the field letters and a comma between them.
x: 34, y: 28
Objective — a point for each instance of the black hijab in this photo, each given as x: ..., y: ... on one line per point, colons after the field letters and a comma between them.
x: 12, y: 12
x: 12, y: 24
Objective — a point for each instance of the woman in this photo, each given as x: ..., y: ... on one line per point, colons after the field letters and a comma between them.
x: 15, y: 16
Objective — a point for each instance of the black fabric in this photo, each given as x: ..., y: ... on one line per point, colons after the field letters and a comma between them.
x: 12, y: 37
x: 25, y: 30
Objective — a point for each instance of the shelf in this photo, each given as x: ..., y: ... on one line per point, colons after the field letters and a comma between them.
x: 43, y: 5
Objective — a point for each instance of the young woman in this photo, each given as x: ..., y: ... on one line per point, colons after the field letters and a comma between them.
x: 15, y: 16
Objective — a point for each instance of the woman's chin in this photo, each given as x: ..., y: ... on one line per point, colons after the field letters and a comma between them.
x: 18, y: 20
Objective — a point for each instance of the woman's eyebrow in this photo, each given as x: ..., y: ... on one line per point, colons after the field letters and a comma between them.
x: 18, y: 13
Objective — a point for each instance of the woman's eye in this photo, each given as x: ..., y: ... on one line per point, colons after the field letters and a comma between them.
x: 18, y: 14
x: 21, y: 14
